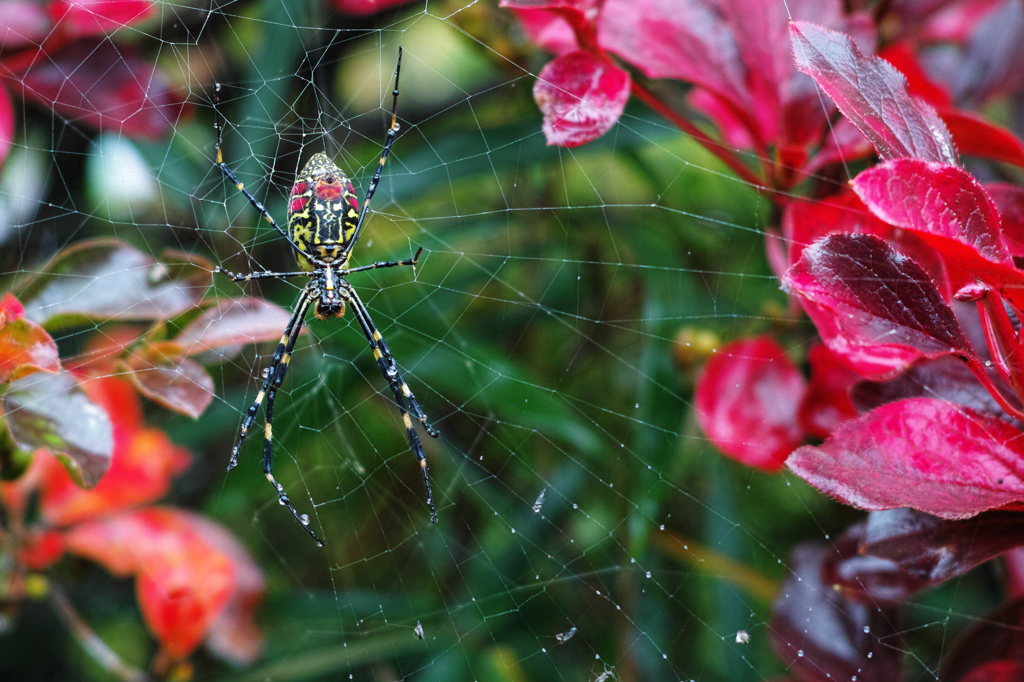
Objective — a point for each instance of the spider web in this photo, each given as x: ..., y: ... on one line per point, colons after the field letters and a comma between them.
x: 586, y: 525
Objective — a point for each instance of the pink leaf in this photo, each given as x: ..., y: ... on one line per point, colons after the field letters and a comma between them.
x: 77, y: 18
x: 105, y: 86
x: 876, y: 298
x: 546, y: 29
x: 581, y: 98
x: 177, y: 383
x: 922, y: 453
x: 6, y: 124
x: 873, y: 95
x: 975, y: 135
x: 22, y: 23
x: 746, y: 402
x: 688, y: 40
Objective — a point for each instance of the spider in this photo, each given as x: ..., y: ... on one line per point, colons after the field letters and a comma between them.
x: 324, y: 224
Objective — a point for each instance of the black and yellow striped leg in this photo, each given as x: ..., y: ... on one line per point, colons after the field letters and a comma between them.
x: 284, y: 347
x: 401, y: 390
x: 392, y: 133
x: 277, y: 377
x: 387, y: 264
x: 230, y: 174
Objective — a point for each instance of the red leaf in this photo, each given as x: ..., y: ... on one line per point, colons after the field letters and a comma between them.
x: 24, y: 346
x: 919, y: 83
x: 921, y: 453
x: 184, y: 580
x: 1009, y: 201
x: 22, y: 23
x: 975, y: 135
x: 878, y: 301
x: 822, y: 636
x: 827, y: 404
x: 51, y: 411
x: 108, y: 279
x: 934, y: 199
x: 581, y: 98
x: 1008, y: 670
x: 174, y: 381
x: 232, y: 323
x: 77, y: 18
x: 997, y: 636
x: 105, y: 86
x: 143, y: 463
x: 873, y: 95
x: 746, y: 401
x: 547, y: 29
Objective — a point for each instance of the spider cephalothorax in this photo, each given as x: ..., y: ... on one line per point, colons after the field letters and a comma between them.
x: 324, y: 223
x: 323, y: 210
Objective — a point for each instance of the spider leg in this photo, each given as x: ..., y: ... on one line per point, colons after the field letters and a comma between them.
x: 388, y: 367
x: 268, y: 445
x: 392, y: 133
x: 388, y: 264
x: 284, y: 347
x: 230, y: 175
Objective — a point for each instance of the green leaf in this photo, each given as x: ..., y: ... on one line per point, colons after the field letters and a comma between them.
x: 51, y: 411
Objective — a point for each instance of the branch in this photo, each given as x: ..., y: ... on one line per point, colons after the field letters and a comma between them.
x: 95, y: 647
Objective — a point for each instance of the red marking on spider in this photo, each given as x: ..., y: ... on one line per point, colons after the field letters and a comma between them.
x: 297, y: 204
x: 328, y: 192
x: 299, y: 188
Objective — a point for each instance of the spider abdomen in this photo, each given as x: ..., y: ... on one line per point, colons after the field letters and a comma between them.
x: 322, y: 209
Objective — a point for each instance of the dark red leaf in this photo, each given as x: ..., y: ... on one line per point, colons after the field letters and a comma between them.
x: 746, y: 401
x: 827, y: 402
x: 873, y: 95
x: 876, y: 301
x: 1009, y: 201
x: 822, y: 636
x: 25, y: 347
x: 108, y: 279
x: 805, y: 222
x: 997, y: 636
x: 975, y: 135
x: 52, y: 412
x: 865, y: 578
x: 945, y: 378
x: 103, y: 85
x: 22, y: 23
x: 581, y: 98
x: 77, y: 18
x: 163, y: 374
x: 935, y: 550
x: 923, y: 453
